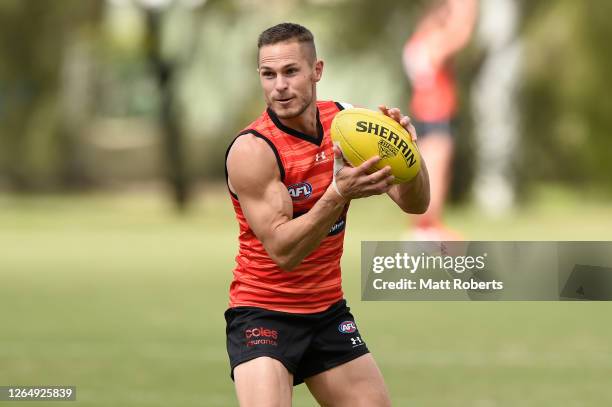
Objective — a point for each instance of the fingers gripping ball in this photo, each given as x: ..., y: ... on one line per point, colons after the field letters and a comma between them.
x: 361, y: 134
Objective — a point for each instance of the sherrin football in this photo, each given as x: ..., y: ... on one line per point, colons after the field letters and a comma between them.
x: 363, y: 133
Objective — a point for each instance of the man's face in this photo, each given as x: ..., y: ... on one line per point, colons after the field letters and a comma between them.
x: 288, y: 73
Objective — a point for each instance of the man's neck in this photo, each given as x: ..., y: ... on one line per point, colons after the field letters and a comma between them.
x: 305, y: 123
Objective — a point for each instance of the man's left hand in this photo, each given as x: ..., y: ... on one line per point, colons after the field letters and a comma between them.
x: 404, y: 121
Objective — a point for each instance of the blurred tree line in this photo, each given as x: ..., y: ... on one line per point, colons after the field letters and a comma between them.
x: 564, y: 103
x: 99, y: 92
x: 39, y: 127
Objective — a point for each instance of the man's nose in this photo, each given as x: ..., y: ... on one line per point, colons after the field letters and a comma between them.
x: 281, y: 83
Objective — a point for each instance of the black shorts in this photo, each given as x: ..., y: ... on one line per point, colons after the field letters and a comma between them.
x: 425, y: 129
x: 306, y: 344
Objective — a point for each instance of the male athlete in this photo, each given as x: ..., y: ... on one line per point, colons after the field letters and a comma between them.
x: 287, y: 321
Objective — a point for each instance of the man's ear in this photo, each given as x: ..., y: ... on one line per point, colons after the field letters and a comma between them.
x: 318, y: 70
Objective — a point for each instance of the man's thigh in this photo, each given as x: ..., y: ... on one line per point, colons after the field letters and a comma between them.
x: 263, y: 382
x: 353, y: 384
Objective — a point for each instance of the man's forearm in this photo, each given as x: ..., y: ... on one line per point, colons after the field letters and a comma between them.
x: 297, y: 238
x: 413, y: 196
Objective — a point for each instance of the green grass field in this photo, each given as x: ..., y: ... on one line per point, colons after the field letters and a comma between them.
x: 124, y: 299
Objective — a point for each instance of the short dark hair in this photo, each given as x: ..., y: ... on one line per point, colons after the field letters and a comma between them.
x: 286, y: 32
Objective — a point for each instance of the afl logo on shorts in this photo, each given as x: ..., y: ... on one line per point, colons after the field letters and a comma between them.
x: 347, y: 327
x: 300, y: 191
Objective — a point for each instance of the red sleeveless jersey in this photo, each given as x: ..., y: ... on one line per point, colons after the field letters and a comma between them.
x: 306, y: 169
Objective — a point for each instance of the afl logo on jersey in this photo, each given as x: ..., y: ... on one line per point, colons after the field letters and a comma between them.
x: 300, y: 191
x: 347, y: 327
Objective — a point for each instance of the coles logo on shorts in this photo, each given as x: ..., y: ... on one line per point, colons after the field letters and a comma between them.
x: 300, y: 191
x: 347, y: 327
x: 261, y: 336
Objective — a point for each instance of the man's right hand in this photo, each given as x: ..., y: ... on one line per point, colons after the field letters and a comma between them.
x: 360, y: 182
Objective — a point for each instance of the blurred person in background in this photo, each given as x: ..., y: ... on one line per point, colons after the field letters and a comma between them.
x: 443, y: 30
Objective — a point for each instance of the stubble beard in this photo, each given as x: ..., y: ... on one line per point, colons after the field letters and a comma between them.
x: 293, y: 113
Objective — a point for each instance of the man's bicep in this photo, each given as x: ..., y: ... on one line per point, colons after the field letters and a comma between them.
x: 255, y: 178
x: 267, y: 209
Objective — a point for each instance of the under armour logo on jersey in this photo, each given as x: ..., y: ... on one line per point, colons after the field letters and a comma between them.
x: 320, y: 157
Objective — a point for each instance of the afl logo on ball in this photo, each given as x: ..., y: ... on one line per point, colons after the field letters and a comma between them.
x: 300, y: 191
x: 347, y: 327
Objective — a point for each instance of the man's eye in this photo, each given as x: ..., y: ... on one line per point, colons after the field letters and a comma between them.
x: 267, y: 74
x: 291, y: 71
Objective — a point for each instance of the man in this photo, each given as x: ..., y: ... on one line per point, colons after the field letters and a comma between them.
x: 444, y: 30
x: 288, y: 322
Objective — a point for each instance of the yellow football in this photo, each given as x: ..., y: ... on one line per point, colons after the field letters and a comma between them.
x: 363, y: 133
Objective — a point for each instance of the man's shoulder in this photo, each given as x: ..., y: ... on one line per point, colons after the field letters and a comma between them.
x: 333, y: 105
x: 250, y: 159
